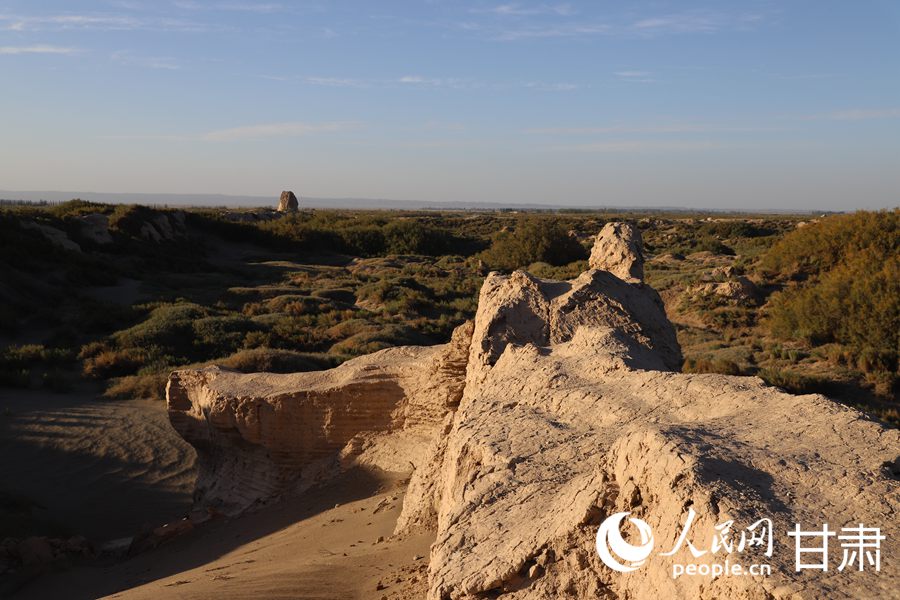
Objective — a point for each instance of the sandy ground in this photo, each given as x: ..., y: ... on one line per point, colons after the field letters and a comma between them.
x: 93, y: 467
x: 322, y: 545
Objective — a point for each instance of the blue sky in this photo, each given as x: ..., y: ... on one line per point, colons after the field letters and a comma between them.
x: 753, y: 104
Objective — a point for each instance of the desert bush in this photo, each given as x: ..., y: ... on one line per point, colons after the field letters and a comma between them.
x: 23, y: 365
x: 112, y: 362
x: 833, y: 240
x: 729, y: 317
x: 150, y: 386
x: 848, y: 294
x: 711, y: 244
x: 856, y: 305
x: 796, y: 383
x: 402, y: 291
x: 277, y: 360
x: 412, y: 237
x: 33, y: 354
x: 76, y: 208
x: 220, y: 335
x: 706, y: 364
x: 735, y: 229
x: 344, y: 296
x: 564, y: 272
x: 534, y: 239
x: 364, y: 240
x: 169, y: 327
x: 370, y: 341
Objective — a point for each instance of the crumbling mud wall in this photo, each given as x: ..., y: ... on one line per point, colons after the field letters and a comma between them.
x: 560, y: 405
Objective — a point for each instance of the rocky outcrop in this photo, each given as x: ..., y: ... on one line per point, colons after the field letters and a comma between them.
x: 288, y: 202
x: 560, y: 406
x: 619, y: 249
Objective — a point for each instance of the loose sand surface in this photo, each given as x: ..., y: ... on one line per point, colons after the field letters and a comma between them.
x: 321, y: 545
x: 107, y: 469
x: 88, y: 466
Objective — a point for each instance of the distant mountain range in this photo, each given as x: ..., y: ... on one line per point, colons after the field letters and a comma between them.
x: 345, y: 203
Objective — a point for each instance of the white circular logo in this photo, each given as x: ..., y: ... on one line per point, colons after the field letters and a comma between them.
x: 611, y: 545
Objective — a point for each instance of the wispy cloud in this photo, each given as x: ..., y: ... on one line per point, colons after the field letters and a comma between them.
x: 101, y: 22
x: 127, y: 4
x: 543, y: 86
x: 125, y: 57
x: 563, y: 30
x: 37, y: 49
x: 635, y: 76
x: 534, y: 22
x: 858, y: 114
x: 637, y: 146
x: 515, y: 9
x: 256, y: 7
x: 680, y: 23
x: 435, y: 82
x: 337, y: 82
x: 70, y: 21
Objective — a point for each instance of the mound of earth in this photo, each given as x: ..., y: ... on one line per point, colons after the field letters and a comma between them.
x: 562, y: 405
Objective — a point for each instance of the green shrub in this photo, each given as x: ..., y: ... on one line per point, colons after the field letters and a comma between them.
x: 834, y: 240
x: 21, y: 364
x: 33, y: 354
x: 711, y: 244
x: 138, y: 387
x: 113, y: 363
x: 169, y: 327
x: 849, y: 293
x: 534, y: 239
x: 276, y: 360
x: 412, y: 237
x: 220, y: 336
x: 796, y: 383
x: 565, y: 272
x: 77, y: 208
x: 856, y: 305
x: 371, y: 341
x: 705, y: 364
x: 735, y: 229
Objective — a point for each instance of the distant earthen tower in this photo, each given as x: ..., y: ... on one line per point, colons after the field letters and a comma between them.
x: 288, y: 202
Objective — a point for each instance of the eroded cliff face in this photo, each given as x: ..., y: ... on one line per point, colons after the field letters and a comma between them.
x: 261, y: 435
x: 559, y: 406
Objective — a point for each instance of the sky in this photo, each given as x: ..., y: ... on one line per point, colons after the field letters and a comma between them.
x: 790, y: 104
